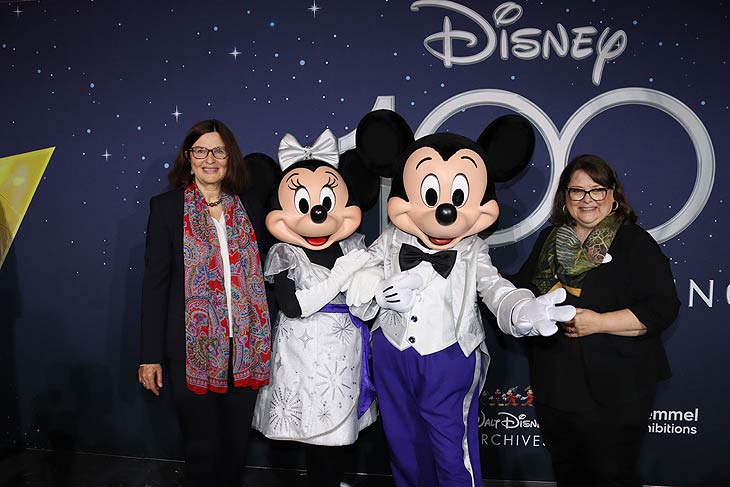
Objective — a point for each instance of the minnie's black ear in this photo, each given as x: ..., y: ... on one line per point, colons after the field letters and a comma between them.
x: 509, y: 142
x: 381, y: 138
x: 363, y: 184
x: 265, y: 174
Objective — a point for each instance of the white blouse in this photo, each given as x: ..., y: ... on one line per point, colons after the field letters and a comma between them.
x: 220, y: 227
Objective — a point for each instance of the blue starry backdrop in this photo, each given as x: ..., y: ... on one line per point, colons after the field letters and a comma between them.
x: 113, y: 86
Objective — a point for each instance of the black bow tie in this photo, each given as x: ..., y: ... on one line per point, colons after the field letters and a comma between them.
x: 442, y: 262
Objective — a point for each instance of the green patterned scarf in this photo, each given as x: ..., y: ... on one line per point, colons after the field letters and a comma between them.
x: 563, y: 259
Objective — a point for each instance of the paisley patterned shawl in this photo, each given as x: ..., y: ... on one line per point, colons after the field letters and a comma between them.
x: 207, y: 342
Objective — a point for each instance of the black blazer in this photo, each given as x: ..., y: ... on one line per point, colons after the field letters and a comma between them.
x: 576, y: 373
x: 163, y: 295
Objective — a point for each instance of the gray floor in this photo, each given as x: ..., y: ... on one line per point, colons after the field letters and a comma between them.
x: 42, y: 468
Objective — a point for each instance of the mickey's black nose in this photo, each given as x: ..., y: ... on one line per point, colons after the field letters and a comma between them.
x: 446, y: 214
x: 318, y: 214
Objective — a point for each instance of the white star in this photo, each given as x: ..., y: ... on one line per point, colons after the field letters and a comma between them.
x: 285, y: 411
x: 176, y: 113
x: 333, y: 380
x: 314, y: 8
x: 343, y: 331
x: 235, y: 53
x: 305, y: 338
x: 106, y: 155
x: 17, y: 11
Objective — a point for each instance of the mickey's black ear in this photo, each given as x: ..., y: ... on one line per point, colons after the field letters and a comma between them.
x: 381, y: 138
x: 363, y: 185
x: 265, y: 174
x: 509, y: 142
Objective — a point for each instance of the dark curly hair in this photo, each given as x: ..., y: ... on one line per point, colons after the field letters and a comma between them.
x: 601, y: 173
x: 237, y: 177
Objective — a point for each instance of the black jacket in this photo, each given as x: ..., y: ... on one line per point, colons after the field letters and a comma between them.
x: 577, y: 373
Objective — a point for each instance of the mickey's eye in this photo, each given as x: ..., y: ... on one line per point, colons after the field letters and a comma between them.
x: 301, y: 200
x: 327, y: 198
x: 430, y: 190
x: 459, y: 190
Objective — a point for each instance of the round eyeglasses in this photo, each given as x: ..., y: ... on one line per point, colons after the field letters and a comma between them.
x: 202, y: 152
x: 597, y: 194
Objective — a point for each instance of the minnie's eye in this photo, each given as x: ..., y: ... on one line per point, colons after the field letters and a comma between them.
x: 327, y: 198
x: 430, y: 190
x: 459, y: 190
x: 301, y: 200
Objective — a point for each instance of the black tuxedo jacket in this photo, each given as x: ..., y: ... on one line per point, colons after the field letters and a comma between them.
x: 577, y: 373
x: 163, y: 295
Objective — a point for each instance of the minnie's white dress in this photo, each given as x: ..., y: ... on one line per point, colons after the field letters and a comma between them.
x: 314, y: 389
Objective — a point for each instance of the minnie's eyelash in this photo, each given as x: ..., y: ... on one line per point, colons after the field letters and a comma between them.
x: 294, y: 184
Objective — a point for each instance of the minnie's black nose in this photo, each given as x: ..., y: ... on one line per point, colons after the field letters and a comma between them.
x: 446, y: 214
x: 318, y: 214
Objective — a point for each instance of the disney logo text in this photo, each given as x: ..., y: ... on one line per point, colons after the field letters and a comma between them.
x: 507, y: 421
x: 523, y: 43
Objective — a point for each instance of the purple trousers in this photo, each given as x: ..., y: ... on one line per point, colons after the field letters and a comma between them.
x: 430, y: 407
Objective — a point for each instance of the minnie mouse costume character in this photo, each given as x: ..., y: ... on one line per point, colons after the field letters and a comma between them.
x: 320, y: 391
x: 429, y: 355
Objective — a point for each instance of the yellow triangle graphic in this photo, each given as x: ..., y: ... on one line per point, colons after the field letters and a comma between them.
x: 20, y: 175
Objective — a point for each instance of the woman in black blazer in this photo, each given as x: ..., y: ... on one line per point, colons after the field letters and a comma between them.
x: 204, y: 309
x: 595, y: 381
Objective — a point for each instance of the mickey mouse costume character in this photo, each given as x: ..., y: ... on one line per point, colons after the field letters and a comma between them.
x: 429, y: 355
x: 320, y: 391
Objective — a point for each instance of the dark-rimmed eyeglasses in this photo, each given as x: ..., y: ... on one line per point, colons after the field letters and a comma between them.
x: 202, y: 152
x: 597, y: 194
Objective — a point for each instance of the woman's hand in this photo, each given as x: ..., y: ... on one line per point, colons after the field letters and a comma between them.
x: 586, y: 322
x: 150, y: 376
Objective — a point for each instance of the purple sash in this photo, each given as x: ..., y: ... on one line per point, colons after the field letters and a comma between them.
x: 367, y: 388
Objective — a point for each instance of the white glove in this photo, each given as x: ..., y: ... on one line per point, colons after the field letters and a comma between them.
x: 363, y: 286
x: 314, y: 298
x: 399, y: 291
x: 537, y: 316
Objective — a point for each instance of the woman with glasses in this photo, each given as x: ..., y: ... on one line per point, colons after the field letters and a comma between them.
x: 594, y: 382
x: 204, y: 309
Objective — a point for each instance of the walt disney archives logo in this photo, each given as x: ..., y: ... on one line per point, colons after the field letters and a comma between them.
x: 510, y: 426
x: 525, y: 44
